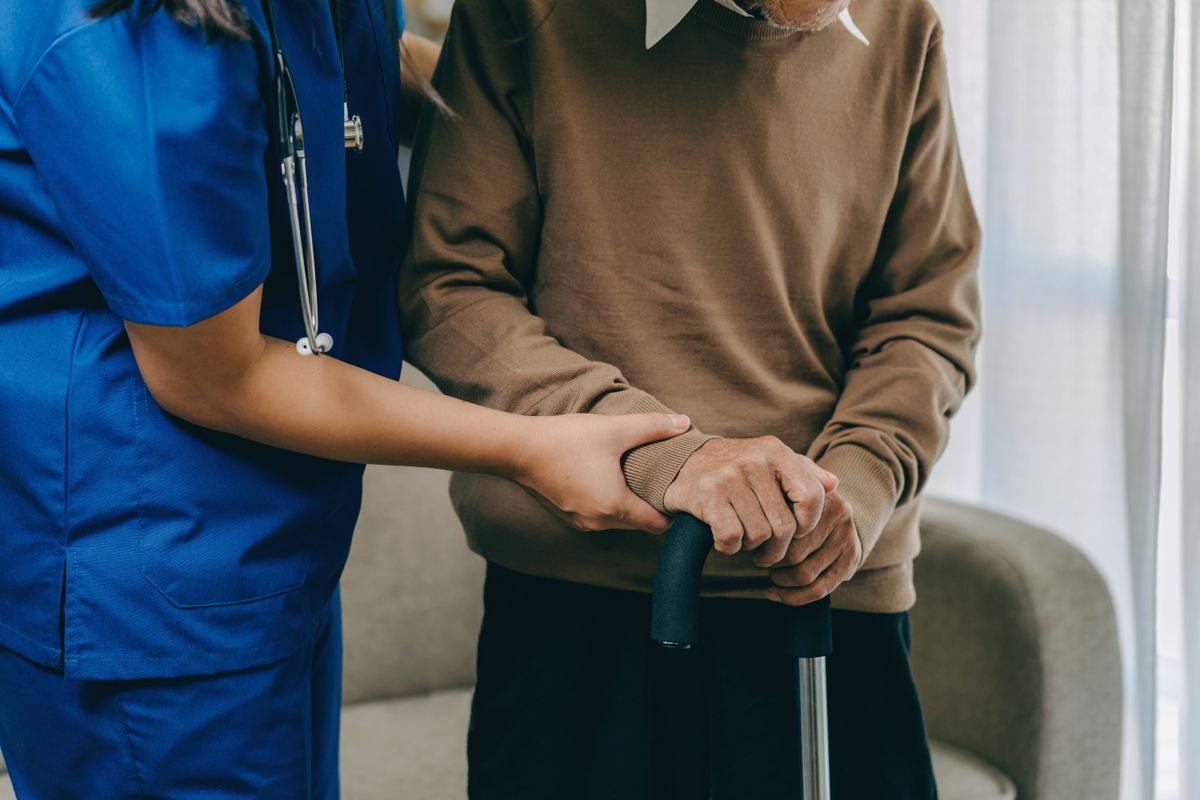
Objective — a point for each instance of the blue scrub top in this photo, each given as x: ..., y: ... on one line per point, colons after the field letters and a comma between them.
x: 139, y: 181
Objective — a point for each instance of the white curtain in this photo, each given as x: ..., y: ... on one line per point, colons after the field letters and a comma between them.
x: 1188, y: 155
x: 1065, y: 113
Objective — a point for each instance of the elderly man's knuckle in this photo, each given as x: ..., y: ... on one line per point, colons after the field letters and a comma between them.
x: 812, y: 498
x: 806, y: 521
x: 728, y: 537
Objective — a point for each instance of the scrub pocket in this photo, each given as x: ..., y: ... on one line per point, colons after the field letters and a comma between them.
x: 222, y: 520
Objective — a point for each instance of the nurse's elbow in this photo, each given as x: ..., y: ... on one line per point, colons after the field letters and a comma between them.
x: 191, y: 400
x: 199, y: 373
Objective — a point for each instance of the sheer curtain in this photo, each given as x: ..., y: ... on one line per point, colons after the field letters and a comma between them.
x: 1065, y: 111
x: 1189, y: 366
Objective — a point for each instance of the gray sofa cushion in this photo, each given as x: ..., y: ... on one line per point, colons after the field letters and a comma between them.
x: 962, y: 776
x: 6, y: 790
x: 415, y: 748
x: 412, y: 592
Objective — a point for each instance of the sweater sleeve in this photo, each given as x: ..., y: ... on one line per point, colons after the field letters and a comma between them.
x: 910, y: 355
x: 476, y: 217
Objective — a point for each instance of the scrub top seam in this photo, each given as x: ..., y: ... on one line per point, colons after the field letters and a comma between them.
x: 37, y: 64
x: 381, y: 70
x: 136, y: 388
x: 197, y: 309
x: 66, y: 525
x: 269, y: 646
x: 154, y: 166
x: 137, y: 774
x: 56, y: 655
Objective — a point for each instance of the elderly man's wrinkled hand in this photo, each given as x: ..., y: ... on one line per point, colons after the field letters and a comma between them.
x: 821, y: 560
x: 756, y: 494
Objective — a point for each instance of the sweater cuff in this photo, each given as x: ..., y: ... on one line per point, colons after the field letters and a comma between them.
x: 867, y: 484
x: 651, y: 468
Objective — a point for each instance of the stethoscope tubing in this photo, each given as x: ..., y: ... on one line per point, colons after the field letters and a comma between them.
x: 294, y: 170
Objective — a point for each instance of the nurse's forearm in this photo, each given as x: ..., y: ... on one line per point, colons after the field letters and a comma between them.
x: 223, y: 374
x: 328, y: 408
x: 418, y: 60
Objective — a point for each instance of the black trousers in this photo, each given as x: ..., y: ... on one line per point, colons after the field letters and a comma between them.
x: 573, y: 703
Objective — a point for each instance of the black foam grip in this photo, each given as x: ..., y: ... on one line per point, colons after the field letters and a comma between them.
x: 675, y: 610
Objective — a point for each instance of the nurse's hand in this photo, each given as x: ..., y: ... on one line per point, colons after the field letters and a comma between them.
x: 572, y: 464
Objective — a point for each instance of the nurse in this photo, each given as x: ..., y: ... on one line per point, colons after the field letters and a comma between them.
x: 178, y: 484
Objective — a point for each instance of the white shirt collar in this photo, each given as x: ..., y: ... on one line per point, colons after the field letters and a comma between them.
x: 663, y: 15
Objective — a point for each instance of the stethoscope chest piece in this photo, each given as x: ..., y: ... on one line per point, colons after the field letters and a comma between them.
x: 324, y: 345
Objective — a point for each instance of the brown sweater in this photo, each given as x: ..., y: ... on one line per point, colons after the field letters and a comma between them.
x: 766, y: 230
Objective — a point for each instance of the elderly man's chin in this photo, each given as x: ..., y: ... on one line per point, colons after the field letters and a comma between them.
x: 805, y: 15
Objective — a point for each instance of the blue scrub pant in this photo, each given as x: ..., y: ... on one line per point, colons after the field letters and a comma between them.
x: 268, y: 733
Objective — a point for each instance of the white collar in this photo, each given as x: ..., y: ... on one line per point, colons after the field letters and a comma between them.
x: 663, y: 15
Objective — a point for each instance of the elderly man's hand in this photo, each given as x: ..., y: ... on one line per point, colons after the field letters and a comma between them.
x: 754, y: 493
x: 821, y: 560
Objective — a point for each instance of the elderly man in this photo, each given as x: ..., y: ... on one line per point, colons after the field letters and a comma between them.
x: 742, y: 211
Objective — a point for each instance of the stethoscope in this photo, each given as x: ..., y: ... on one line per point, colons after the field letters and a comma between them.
x: 295, y: 176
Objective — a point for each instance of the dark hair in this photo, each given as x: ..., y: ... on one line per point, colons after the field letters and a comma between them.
x: 216, y: 18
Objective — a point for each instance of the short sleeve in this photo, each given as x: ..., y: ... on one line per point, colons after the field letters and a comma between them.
x: 151, y: 143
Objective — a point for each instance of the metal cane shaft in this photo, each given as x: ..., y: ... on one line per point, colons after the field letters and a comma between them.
x: 814, y: 727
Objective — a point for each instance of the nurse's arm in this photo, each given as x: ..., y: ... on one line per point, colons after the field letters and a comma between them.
x: 223, y: 374
x: 419, y: 58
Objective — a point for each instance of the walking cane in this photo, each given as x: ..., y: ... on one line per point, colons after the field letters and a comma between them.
x: 675, y: 625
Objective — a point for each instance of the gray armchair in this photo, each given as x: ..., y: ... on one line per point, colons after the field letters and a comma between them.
x: 1016, y: 653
